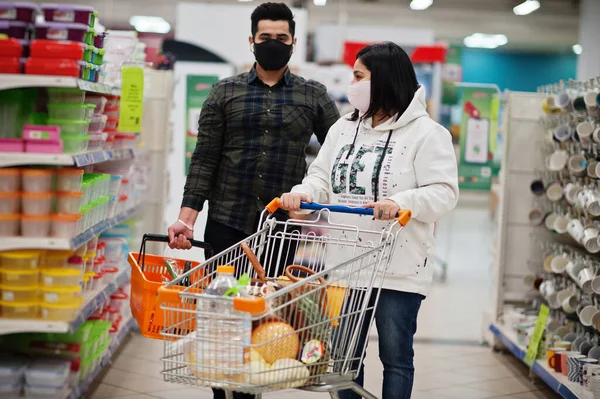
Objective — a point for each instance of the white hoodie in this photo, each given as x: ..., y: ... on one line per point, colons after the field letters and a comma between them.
x: 418, y: 172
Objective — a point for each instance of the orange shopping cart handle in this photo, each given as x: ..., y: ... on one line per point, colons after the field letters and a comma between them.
x: 195, y: 243
x: 403, y: 215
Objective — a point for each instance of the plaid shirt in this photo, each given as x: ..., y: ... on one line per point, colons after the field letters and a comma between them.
x: 251, y: 143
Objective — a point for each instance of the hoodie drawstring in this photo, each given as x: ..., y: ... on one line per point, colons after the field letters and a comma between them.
x: 354, y: 141
x: 379, y: 164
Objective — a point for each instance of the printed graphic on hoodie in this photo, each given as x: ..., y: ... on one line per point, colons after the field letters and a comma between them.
x: 353, y: 172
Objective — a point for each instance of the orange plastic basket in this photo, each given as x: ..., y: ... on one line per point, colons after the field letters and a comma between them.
x: 149, y: 276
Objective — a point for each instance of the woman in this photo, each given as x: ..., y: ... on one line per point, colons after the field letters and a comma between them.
x: 388, y: 155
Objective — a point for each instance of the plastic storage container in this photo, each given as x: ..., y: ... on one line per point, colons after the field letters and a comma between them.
x: 10, y: 179
x: 19, y: 277
x: 69, y: 202
x: 98, y: 123
x: 112, y: 123
x: 99, y: 102
x: 112, y: 112
x: 37, y: 180
x: 60, y: 277
x: 20, y: 293
x: 66, y: 95
x: 35, y: 225
x: 54, y: 67
x: 18, y: 11
x: 15, y: 30
x: 66, y: 225
x: 112, y: 206
x: 35, y: 203
x: 11, y: 65
x: 61, y: 31
x: 67, y: 112
x: 66, y: 295
x: 9, y: 225
x: 9, y: 202
x: 72, y: 127
x: 97, y: 141
x: 11, y: 47
x: 19, y: 260
x: 42, y: 392
x: 76, y: 262
x: 60, y: 311
x: 11, y: 370
x: 115, y: 184
x: 41, y: 132
x: 20, y: 310
x: 75, y: 144
x: 47, y: 373
x: 69, y: 13
x: 55, y: 259
x: 68, y: 179
x: 53, y: 49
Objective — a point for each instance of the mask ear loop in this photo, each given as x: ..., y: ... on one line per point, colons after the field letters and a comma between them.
x: 252, y: 47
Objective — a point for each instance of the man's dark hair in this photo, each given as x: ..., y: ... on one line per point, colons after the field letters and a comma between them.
x: 272, y: 12
x: 393, y: 79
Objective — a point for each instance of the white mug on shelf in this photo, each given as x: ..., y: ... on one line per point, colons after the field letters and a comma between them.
x: 592, y: 168
x: 560, y: 263
x: 584, y: 279
x: 574, y: 268
x: 561, y: 223
x: 591, y: 103
x: 571, y: 192
x: 550, y: 220
x: 554, y: 191
x: 596, y: 135
x: 596, y: 285
x: 587, y: 315
x: 570, y: 304
x: 557, y: 161
x: 577, y: 164
x: 585, y: 130
x: 575, y: 230
x: 590, y: 239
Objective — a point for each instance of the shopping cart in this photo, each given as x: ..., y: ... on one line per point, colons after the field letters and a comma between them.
x: 301, y: 325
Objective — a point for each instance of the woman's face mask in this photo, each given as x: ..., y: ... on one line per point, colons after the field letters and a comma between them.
x: 359, y: 95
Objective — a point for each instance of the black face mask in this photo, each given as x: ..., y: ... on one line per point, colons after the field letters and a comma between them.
x: 272, y: 55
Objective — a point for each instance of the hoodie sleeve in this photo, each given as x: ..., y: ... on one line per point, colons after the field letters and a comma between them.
x: 316, y: 182
x: 436, y: 173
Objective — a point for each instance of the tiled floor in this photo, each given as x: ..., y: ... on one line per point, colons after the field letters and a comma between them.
x: 450, y: 362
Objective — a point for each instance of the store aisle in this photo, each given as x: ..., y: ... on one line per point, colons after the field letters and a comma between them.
x: 443, y: 371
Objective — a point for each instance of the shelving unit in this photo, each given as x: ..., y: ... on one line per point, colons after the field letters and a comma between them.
x: 91, y: 302
x: 557, y: 382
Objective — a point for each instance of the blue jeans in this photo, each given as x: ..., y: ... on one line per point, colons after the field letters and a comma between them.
x: 396, y: 320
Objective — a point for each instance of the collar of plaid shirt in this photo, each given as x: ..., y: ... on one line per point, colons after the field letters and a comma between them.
x: 253, y: 76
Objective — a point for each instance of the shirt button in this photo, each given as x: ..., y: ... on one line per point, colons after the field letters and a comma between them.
x: 267, y: 131
x: 260, y: 176
x: 264, y: 153
x: 268, y: 110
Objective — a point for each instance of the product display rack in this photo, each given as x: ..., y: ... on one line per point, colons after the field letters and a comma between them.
x: 94, y: 299
x: 557, y: 382
x: 91, y: 302
x: 118, y: 339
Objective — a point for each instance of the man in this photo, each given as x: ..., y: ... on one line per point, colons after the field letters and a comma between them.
x: 252, y: 134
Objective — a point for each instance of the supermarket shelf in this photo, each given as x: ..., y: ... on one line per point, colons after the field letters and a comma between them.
x: 15, y: 81
x: 82, y: 159
x: 91, y: 302
x: 9, y: 243
x: 557, y: 382
x: 116, y: 342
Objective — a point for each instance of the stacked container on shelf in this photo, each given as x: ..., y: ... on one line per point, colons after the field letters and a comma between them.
x: 16, y: 21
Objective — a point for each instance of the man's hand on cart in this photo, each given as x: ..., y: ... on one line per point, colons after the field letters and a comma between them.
x: 384, y: 210
x: 291, y: 201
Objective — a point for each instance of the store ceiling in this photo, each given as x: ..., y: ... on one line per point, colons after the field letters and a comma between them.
x: 554, y: 27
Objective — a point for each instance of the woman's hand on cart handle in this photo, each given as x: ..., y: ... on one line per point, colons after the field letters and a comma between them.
x: 292, y: 201
x: 384, y: 210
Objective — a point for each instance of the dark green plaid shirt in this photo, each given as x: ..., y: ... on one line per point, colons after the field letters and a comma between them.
x: 251, y: 143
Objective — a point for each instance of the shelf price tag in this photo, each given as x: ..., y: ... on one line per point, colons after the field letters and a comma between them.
x: 536, y: 338
x: 132, y: 99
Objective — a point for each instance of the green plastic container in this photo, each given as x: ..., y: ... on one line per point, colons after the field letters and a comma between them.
x: 66, y: 95
x: 98, y: 56
x: 89, y: 36
x: 71, y: 127
x: 69, y: 111
x: 75, y: 144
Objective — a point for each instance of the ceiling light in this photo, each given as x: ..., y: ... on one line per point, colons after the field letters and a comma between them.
x: 577, y: 49
x: 150, y: 24
x: 420, y: 5
x: 319, y: 2
x: 483, y: 40
x: 526, y: 7
x: 245, y: 1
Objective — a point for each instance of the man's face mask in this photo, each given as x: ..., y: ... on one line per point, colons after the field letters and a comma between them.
x: 272, y: 55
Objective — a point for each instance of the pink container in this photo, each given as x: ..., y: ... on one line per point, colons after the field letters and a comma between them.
x: 12, y: 145
x: 15, y: 29
x: 61, y: 31
x: 67, y: 13
x: 41, y: 132
x: 18, y: 11
x: 44, y: 146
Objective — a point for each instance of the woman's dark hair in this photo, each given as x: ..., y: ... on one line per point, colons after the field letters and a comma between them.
x: 393, y: 79
x: 272, y: 12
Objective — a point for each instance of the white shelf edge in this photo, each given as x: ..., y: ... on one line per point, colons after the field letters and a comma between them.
x: 8, y: 159
x: 91, y: 302
x: 16, y: 81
